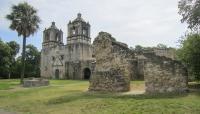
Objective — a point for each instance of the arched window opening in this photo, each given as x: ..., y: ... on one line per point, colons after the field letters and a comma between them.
x: 87, y: 73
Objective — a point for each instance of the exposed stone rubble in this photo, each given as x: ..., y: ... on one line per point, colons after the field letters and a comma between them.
x: 112, y: 69
x: 164, y: 75
x: 116, y: 65
x: 111, y: 80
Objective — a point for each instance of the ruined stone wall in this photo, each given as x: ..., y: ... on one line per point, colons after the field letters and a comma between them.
x: 169, y: 53
x: 110, y: 53
x: 111, y: 56
x: 111, y: 80
x: 164, y: 75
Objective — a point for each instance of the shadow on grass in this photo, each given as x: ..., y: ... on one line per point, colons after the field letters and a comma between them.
x: 94, y: 95
x: 194, y: 86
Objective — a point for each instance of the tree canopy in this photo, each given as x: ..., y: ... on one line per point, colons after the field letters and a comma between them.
x: 138, y: 49
x: 10, y: 65
x: 190, y: 12
x: 32, y: 61
x: 25, y: 21
x: 5, y: 58
x: 189, y: 53
x: 162, y: 46
x: 14, y: 48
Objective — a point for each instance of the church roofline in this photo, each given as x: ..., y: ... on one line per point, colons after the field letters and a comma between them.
x: 53, y: 26
x: 78, y: 18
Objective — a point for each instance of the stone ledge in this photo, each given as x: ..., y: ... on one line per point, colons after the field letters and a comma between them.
x: 35, y: 82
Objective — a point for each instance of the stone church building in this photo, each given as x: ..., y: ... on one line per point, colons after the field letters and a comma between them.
x: 71, y: 61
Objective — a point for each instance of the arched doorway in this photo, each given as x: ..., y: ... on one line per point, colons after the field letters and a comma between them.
x: 57, y: 74
x: 87, y: 73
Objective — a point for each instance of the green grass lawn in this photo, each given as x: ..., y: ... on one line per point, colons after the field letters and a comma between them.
x: 8, y: 84
x: 71, y: 97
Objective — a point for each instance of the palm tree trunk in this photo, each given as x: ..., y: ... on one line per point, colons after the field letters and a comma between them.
x: 23, y: 60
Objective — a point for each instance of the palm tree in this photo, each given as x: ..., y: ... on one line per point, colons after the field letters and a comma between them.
x: 25, y: 21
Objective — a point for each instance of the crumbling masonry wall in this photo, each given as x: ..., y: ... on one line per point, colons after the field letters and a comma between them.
x: 112, y: 70
x: 111, y: 81
x: 116, y: 65
x: 164, y: 75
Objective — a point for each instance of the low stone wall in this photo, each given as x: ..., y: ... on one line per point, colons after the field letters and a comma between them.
x: 163, y: 75
x: 35, y: 82
x: 109, y: 81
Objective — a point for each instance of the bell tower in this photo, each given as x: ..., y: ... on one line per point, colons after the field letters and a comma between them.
x: 52, y: 36
x: 78, y: 31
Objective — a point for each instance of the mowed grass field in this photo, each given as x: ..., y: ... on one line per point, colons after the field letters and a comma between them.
x: 71, y: 97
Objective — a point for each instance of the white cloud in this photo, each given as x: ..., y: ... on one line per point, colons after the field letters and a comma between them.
x: 131, y: 21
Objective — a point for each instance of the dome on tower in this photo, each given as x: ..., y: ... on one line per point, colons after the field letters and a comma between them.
x: 53, y: 26
x: 78, y: 19
x: 53, y: 34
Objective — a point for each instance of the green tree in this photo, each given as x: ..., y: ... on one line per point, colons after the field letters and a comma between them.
x: 5, y: 59
x: 14, y: 51
x: 162, y: 46
x: 14, y: 48
x: 189, y: 53
x: 138, y: 49
x: 25, y: 21
x: 190, y: 12
x: 16, y: 68
x: 32, y: 61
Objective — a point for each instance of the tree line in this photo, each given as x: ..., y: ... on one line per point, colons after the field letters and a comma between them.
x: 10, y: 62
x: 189, y: 50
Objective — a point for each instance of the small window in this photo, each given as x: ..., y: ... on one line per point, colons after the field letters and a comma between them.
x: 84, y: 32
x: 53, y: 58
x: 61, y: 57
x: 47, y: 37
x: 73, y: 32
x: 93, y: 55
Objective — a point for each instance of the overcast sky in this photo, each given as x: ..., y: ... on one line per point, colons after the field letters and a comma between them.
x: 143, y: 22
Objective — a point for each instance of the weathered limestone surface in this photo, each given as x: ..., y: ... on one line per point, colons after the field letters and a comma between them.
x: 163, y: 75
x: 116, y: 65
x: 111, y: 81
x: 112, y: 69
x: 67, y: 61
x: 35, y: 82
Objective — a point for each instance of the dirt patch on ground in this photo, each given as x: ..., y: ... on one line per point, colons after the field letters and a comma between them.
x: 136, y: 89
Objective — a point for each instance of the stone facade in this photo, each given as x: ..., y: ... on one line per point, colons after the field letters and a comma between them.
x: 112, y: 68
x: 163, y: 75
x: 71, y: 61
x: 111, y: 80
